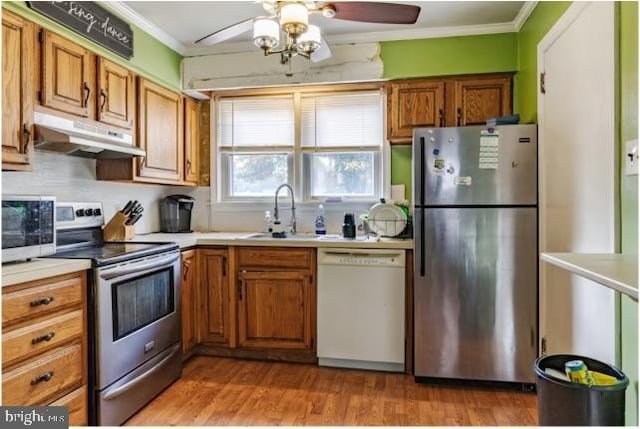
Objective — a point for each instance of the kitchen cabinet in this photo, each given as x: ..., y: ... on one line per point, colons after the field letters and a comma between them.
x: 191, y: 140
x: 274, y: 309
x: 68, y: 76
x: 44, y: 337
x: 160, y: 132
x: 214, y: 296
x: 414, y: 104
x: 116, y: 94
x: 478, y: 99
x: 17, y: 92
x: 445, y: 101
x: 189, y: 301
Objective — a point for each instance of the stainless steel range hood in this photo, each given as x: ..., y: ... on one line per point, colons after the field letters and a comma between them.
x: 62, y: 135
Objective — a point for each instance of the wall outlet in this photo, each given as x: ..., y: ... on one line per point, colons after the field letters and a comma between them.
x: 631, y: 158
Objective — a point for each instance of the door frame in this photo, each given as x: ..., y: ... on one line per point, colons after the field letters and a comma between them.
x: 557, y: 30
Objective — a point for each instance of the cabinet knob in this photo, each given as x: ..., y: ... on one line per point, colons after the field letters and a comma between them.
x: 459, y: 116
x: 441, y: 111
x: 26, y: 136
x: 103, y: 99
x: 45, y: 337
x: 87, y: 92
x: 45, y: 300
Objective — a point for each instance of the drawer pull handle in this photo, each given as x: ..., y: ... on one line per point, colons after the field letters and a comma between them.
x: 45, y: 300
x: 42, y: 377
x: 45, y: 337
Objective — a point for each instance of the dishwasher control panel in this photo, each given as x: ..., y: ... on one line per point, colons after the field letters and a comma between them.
x: 362, y: 257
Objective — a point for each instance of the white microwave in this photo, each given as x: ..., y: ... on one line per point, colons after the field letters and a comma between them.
x: 28, y: 227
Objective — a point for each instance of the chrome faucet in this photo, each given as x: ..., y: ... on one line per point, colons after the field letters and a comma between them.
x: 276, y: 218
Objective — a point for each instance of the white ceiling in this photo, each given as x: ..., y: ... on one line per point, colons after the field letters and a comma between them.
x: 183, y: 22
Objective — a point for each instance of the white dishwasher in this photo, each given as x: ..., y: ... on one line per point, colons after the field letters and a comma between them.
x: 361, y: 308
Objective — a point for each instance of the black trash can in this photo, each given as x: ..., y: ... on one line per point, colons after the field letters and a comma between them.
x: 562, y: 403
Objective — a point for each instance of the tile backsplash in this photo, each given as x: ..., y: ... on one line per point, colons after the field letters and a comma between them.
x: 74, y: 179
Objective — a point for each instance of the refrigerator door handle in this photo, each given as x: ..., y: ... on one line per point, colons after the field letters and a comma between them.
x: 422, y: 170
x: 422, y: 238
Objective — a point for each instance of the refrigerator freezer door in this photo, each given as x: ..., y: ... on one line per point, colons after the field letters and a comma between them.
x: 475, y: 309
x: 472, y: 166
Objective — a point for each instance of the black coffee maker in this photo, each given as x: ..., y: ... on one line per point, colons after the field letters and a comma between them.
x: 175, y: 213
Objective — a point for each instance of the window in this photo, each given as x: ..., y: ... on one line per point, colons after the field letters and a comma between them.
x: 324, y: 145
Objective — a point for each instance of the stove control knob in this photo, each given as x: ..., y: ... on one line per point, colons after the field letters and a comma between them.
x: 88, y: 212
x: 80, y: 212
x: 97, y: 212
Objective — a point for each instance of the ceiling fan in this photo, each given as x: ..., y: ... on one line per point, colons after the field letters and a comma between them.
x: 289, y: 20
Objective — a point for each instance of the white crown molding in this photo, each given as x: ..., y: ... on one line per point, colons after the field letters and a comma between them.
x: 380, y: 36
x: 523, y: 14
x: 133, y: 17
x: 144, y: 24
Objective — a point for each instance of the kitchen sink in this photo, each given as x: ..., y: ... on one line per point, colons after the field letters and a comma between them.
x: 269, y: 236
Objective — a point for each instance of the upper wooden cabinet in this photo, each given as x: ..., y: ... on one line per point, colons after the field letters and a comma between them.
x: 478, y: 99
x: 419, y: 104
x: 191, y: 140
x: 274, y: 310
x: 116, y: 94
x: 189, y: 300
x: 17, y: 92
x: 160, y: 132
x: 68, y: 76
x: 450, y: 102
x: 214, y: 296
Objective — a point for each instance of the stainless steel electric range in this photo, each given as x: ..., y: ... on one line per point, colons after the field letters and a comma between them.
x: 133, y: 314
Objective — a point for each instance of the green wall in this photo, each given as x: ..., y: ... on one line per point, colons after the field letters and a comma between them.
x: 440, y: 57
x: 152, y: 59
x: 449, y: 56
x: 629, y: 195
x: 525, y: 85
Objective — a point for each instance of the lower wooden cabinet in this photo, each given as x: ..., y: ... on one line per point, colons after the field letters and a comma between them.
x: 189, y: 301
x: 44, y: 337
x: 214, y: 296
x: 275, y: 309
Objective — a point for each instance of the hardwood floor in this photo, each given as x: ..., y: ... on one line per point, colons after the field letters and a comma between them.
x: 217, y: 391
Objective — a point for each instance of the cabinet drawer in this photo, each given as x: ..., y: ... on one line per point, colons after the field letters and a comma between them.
x: 274, y: 257
x: 41, y: 299
x: 28, y: 341
x: 76, y: 402
x: 28, y: 384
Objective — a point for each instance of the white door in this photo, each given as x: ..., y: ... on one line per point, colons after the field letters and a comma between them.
x: 578, y: 177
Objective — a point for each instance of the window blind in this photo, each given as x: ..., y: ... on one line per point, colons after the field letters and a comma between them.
x: 256, y: 122
x: 342, y: 120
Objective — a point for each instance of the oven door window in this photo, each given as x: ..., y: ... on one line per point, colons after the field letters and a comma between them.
x: 141, y: 301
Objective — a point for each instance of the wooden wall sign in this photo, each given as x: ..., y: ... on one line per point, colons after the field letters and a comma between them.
x: 92, y: 21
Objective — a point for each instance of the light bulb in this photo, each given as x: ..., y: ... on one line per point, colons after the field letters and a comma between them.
x: 310, y: 40
x: 266, y: 33
x: 294, y: 18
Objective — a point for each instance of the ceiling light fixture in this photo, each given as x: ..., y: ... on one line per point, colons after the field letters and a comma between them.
x: 299, y: 37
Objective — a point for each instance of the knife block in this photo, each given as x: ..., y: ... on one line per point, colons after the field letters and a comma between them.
x: 116, y: 230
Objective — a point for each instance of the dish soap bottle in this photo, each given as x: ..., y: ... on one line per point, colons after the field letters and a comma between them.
x: 320, y: 227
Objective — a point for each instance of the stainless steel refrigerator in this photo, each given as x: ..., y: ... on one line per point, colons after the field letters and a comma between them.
x: 476, y: 255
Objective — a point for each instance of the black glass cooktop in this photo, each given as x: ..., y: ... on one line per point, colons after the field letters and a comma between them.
x: 114, y: 252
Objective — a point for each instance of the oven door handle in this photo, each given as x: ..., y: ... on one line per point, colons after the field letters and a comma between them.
x: 139, y: 379
x: 140, y: 267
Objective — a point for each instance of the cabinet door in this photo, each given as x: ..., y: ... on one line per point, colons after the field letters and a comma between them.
x: 479, y: 99
x: 415, y: 104
x: 274, y: 310
x: 214, y: 289
x: 191, y: 140
x: 67, y: 77
x: 17, y: 92
x: 160, y: 132
x: 116, y: 94
x: 188, y: 303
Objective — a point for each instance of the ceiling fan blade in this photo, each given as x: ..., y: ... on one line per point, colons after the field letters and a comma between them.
x: 227, y: 33
x: 323, y: 53
x: 381, y: 13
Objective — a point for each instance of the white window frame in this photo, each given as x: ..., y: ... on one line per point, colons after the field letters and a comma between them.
x: 219, y: 191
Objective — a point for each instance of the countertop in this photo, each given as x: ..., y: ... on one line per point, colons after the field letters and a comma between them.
x: 615, y: 271
x: 244, y: 239
x: 36, y: 269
